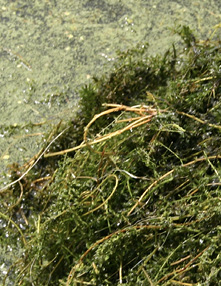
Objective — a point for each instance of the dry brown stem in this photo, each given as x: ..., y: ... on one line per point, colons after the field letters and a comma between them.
x: 145, y: 113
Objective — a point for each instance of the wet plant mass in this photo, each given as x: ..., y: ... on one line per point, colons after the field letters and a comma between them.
x: 129, y: 193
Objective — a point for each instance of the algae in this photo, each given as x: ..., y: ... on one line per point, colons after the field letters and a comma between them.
x: 56, y: 46
x: 129, y: 194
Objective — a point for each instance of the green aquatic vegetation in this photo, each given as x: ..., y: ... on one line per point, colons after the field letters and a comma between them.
x: 129, y: 193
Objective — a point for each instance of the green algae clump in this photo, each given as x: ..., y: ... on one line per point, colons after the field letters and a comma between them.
x: 133, y: 191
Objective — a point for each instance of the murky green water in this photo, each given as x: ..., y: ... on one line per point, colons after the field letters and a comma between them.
x: 50, y: 48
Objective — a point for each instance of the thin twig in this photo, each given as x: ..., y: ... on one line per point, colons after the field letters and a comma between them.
x: 41, y: 155
x: 139, y: 121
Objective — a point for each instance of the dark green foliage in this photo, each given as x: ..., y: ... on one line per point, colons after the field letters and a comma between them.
x: 142, y: 207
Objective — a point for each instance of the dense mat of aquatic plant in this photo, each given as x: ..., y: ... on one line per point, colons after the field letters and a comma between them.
x: 138, y: 202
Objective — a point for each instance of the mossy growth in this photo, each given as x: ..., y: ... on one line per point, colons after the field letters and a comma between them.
x: 137, y: 202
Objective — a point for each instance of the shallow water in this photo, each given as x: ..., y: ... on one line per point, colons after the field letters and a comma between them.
x: 48, y: 49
